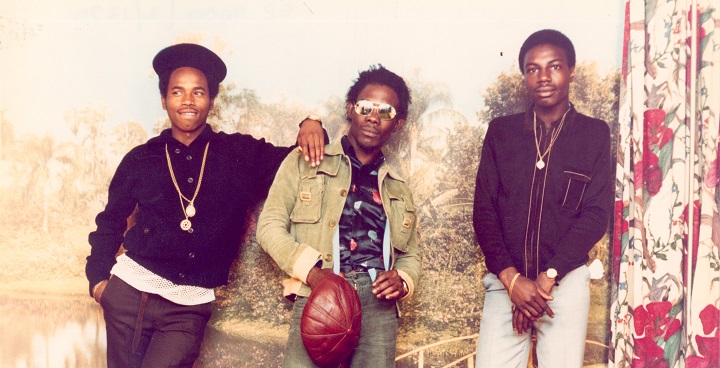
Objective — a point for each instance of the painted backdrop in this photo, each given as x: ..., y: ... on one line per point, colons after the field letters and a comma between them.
x: 77, y: 91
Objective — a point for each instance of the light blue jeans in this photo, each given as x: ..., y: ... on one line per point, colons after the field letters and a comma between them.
x: 560, y: 340
x: 378, y: 333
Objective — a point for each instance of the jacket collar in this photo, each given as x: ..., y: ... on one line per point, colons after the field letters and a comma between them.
x: 334, y: 154
x: 166, y: 137
x: 528, y: 119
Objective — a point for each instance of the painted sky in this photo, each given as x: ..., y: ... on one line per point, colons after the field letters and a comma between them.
x: 61, y: 55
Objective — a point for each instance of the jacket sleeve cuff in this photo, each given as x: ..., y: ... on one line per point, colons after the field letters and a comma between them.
x: 305, y: 262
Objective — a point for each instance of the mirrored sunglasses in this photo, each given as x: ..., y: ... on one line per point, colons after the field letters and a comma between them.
x: 384, y: 111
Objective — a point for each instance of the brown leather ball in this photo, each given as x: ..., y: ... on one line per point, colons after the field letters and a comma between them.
x: 331, y: 321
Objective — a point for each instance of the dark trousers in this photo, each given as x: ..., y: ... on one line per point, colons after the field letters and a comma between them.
x: 146, y: 330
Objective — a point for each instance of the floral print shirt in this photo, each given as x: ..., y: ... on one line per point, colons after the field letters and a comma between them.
x: 362, y: 224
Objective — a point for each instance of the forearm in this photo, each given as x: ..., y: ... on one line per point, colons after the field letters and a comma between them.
x: 105, y: 241
x: 104, y: 247
x: 592, y: 222
x: 273, y: 230
x: 408, y: 267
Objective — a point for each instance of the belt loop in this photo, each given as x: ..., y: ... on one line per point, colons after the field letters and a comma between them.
x: 138, y: 324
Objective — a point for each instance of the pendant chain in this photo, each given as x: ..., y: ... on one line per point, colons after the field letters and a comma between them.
x: 540, y: 164
x: 188, y: 211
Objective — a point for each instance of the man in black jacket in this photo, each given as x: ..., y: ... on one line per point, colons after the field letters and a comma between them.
x: 543, y: 198
x: 191, y: 187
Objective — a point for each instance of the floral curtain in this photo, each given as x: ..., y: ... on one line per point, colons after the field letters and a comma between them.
x: 666, y: 272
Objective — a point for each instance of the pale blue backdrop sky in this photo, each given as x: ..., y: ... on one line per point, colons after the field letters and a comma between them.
x: 60, y: 55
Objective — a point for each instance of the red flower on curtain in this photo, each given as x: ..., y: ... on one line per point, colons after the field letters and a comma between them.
x: 653, y: 320
x: 648, y: 172
x: 708, y: 346
x: 655, y: 136
x: 648, y: 354
x: 653, y: 180
x: 656, y: 326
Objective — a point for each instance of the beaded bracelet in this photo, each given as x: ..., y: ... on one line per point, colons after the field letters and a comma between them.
x: 512, y: 283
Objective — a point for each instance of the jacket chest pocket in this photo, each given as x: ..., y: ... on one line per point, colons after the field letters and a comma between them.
x: 574, y: 186
x: 308, y: 204
x: 402, y: 221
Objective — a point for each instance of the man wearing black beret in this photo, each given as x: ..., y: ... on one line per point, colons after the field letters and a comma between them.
x: 190, y: 187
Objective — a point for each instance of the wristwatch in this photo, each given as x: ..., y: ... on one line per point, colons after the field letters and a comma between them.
x: 551, y: 273
x: 311, y: 117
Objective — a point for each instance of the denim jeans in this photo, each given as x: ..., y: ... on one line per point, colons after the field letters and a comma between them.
x: 560, y: 340
x: 378, y: 334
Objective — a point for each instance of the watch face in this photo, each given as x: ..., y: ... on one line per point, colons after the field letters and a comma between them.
x: 551, y: 273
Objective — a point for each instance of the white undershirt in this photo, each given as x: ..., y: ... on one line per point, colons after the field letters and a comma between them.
x: 145, y: 280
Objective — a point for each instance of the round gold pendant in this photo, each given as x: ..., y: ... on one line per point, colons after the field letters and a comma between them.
x: 185, y: 224
x: 540, y: 164
x: 190, y: 210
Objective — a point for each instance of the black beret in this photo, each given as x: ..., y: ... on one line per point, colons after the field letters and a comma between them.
x: 192, y: 55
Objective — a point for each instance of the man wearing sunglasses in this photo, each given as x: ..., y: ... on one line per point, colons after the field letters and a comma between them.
x: 352, y: 215
x: 543, y: 198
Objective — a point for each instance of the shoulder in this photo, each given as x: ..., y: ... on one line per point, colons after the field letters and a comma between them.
x: 246, y: 144
x: 508, y: 128
x: 504, y: 120
x: 153, y: 147
x: 394, y: 182
x: 585, y: 123
x: 507, y: 123
x: 237, y: 138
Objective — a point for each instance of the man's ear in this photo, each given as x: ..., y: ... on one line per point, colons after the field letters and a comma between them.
x: 212, y: 103
x: 348, y: 110
x: 398, y: 124
x: 162, y: 100
x: 572, y: 74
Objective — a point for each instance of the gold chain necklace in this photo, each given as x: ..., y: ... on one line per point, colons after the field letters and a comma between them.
x: 540, y: 164
x: 190, y: 210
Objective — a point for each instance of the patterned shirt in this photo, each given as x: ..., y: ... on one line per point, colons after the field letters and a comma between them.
x: 362, y: 224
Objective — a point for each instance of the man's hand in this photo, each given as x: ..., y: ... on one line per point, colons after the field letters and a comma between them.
x: 316, y: 275
x: 545, y: 282
x: 99, y: 289
x: 388, y: 285
x: 520, y: 323
x: 311, y: 141
x: 530, y: 298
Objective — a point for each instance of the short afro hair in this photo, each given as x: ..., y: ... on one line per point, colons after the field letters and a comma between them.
x: 551, y: 37
x: 378, y: 74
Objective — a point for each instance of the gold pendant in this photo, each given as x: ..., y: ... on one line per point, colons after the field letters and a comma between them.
x: 190, y: 210
x: 185, y: 224
x: 540, y: 164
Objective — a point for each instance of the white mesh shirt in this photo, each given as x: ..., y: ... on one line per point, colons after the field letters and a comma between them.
x: 145, y: 280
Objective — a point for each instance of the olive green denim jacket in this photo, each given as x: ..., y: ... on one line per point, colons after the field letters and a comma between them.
x: 303, y: 209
